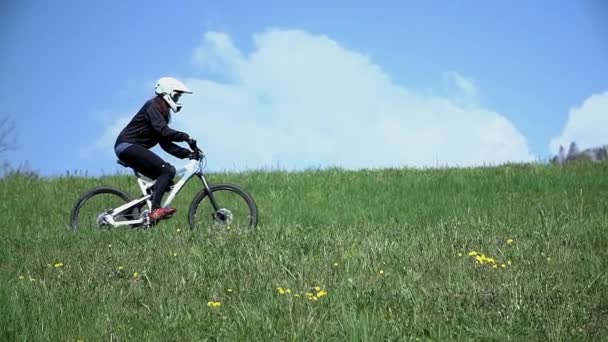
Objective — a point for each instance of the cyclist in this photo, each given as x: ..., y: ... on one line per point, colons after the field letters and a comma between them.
x: 150, y: 126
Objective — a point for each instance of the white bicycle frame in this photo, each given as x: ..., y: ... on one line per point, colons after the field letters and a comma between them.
x: 192, y: 168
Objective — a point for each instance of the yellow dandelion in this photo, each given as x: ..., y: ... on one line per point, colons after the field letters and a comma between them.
x: 381, y: 272
x: 214, y: 304
x: 494, y: 266
x: 135, y: 274
x: 321, y: 293
x: 281, y: 290
x: 479, y: 259
x: 317, y: 288
x: 472, y: 253
x: 58, y: 264
x: 509, y: 241
x: 459, y: 254
x: 503, y: 266
x: 21, y: 277
x: 287, y: 291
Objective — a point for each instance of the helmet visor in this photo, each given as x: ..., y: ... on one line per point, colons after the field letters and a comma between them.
x: 175, y: 96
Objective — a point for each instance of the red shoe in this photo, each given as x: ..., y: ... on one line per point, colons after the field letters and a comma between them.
x: 161, y: 213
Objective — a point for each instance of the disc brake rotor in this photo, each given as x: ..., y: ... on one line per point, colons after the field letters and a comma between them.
x: 223, y: 216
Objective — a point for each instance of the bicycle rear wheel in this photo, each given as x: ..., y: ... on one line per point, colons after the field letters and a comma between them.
x: 235, y: 210
x: 91, y: 206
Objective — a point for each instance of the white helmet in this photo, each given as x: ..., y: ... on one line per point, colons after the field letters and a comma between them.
x: 171, y: 90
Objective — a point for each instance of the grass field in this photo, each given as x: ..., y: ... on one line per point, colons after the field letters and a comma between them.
x: 390, y: 254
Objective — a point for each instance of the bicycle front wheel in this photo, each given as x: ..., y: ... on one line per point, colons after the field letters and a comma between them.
x: 90, y: 208
x: 227, y: 206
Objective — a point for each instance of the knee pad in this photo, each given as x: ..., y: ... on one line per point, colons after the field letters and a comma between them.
x: 169, y: 170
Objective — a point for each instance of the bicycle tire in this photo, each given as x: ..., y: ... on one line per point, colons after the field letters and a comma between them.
x: 74, y: 217
x: 215, y: 189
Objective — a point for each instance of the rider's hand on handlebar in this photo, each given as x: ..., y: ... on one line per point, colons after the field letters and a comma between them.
x: 193, y: 155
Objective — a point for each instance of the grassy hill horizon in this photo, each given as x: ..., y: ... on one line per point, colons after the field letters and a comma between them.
x: 510, y: 252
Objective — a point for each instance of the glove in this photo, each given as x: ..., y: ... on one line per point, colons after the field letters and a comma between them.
x: 193, y: 155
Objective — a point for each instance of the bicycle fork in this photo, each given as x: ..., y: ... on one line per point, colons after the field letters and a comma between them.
x: 209, y: 193
x: 216, y: 207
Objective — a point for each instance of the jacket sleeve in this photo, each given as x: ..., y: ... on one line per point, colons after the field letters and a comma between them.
x: 159, y: 125
x: 174, y: 149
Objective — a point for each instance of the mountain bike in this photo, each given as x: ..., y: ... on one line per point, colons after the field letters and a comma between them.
x: 225, y: 205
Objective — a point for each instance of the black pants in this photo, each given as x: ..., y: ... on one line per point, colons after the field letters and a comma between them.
x: 152, y: 166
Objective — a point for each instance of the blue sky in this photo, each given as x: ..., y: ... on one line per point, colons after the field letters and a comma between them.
x: 463, y: 82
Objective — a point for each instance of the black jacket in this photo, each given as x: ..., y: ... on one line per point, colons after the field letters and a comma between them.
x: 150, y: 126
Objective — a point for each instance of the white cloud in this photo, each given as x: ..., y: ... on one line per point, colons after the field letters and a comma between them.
x: 105, y: 143
x: 586, y: 125
x: 465, y: 85
x: 301, y: 100
x: 218, y: 53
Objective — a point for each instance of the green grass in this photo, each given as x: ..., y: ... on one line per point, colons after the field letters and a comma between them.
x: 383, y: 244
